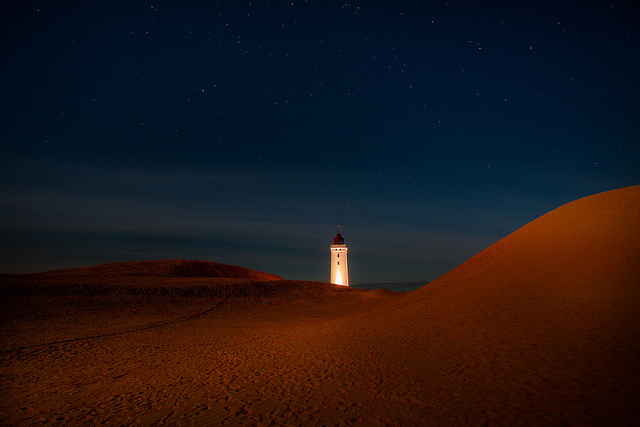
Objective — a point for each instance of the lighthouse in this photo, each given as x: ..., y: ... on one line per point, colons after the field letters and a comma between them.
x: 339, y: 266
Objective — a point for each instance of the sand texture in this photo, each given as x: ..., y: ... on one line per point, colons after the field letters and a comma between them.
x: 541, y: 328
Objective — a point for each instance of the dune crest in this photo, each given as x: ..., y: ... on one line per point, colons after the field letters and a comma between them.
x: 588, y: 249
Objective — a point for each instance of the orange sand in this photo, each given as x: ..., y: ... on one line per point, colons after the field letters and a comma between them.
x: 540, y: 328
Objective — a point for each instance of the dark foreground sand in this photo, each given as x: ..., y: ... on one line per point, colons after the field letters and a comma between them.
x: 540, y: 328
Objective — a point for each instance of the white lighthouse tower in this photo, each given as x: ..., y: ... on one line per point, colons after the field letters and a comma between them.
x: 339, y: 266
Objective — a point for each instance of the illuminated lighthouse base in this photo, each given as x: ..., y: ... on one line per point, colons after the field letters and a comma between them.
x: 339, y: 266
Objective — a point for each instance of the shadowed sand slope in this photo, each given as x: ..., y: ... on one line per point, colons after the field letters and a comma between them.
x: 541, y: 328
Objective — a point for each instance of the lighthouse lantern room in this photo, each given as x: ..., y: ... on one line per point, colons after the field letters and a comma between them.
x: 339, y: 266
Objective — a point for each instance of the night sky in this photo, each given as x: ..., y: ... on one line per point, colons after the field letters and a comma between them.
x: 245, y: 132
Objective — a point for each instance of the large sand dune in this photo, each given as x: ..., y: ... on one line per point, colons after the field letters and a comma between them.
x: 540, y: 328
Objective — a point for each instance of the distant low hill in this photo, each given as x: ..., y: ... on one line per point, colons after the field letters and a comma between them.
x: 165, y: 268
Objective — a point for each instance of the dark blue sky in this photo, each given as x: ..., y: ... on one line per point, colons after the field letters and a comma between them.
x: 245, y: 132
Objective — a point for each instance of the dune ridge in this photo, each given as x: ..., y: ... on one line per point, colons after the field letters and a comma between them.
x: 596, y: 236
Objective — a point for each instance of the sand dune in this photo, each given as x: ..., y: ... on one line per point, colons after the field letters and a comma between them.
x: 540, y: 328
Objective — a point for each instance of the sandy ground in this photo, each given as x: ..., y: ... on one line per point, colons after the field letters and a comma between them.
x: 541, y: 328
